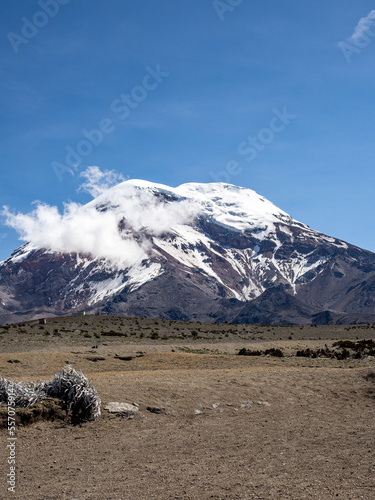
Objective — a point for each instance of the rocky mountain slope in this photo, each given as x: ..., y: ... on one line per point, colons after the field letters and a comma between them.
x: 208, y: 252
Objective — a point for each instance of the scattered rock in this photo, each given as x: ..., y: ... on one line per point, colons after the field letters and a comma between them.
x: 155, y: 409
x: 122, y: 409
x: 246, y: 404
x: 197, y: 412
x: 215, y: 405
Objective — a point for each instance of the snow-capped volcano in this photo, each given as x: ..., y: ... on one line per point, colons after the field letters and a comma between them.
x: 198, y: 251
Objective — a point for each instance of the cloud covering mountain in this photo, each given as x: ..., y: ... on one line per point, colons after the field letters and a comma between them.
x: 94, y: 228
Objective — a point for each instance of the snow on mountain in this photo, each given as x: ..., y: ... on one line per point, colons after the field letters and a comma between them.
x: 201, y: 242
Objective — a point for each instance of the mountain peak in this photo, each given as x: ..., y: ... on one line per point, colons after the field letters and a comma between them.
x: 196, y: 251
x: 230, y: 205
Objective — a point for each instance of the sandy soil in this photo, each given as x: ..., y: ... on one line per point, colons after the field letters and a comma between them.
x: 308, y: 432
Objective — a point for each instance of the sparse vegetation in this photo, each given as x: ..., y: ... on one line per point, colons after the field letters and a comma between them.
x: 346, y: 349
x: 171, y: 366
x: 78, y: 329
x: 278, y: 353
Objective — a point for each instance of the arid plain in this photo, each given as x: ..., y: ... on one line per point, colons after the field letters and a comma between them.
x: 210, y: 424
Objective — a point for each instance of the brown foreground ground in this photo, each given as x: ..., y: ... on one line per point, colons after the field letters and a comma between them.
x: 269, y: 428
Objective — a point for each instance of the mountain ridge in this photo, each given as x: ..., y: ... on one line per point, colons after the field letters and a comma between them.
x: 199, y: 251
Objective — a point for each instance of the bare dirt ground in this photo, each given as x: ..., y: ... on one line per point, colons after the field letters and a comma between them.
x: 230, y: 427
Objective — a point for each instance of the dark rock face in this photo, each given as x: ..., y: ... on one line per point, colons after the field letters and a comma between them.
x: 275, y: 305
x: 280, y: 273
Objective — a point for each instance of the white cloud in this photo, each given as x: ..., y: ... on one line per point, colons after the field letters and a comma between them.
x: 95, y: 228
x: 363, y: 25
x: 98, y: 181
x: 144, y: 210
x: 77, y: 230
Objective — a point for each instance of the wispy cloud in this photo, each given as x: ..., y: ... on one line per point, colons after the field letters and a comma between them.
x: 98, y: 181
x: 362, y: 27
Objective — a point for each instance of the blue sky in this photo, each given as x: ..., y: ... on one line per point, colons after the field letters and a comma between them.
x: 203, y: 76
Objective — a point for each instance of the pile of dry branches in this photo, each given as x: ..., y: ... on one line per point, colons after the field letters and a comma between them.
x: 23, y: 395
x: 70, y: 385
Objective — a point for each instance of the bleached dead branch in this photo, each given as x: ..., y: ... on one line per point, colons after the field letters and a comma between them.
x: 69, y: 385
x: 74, y: 388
